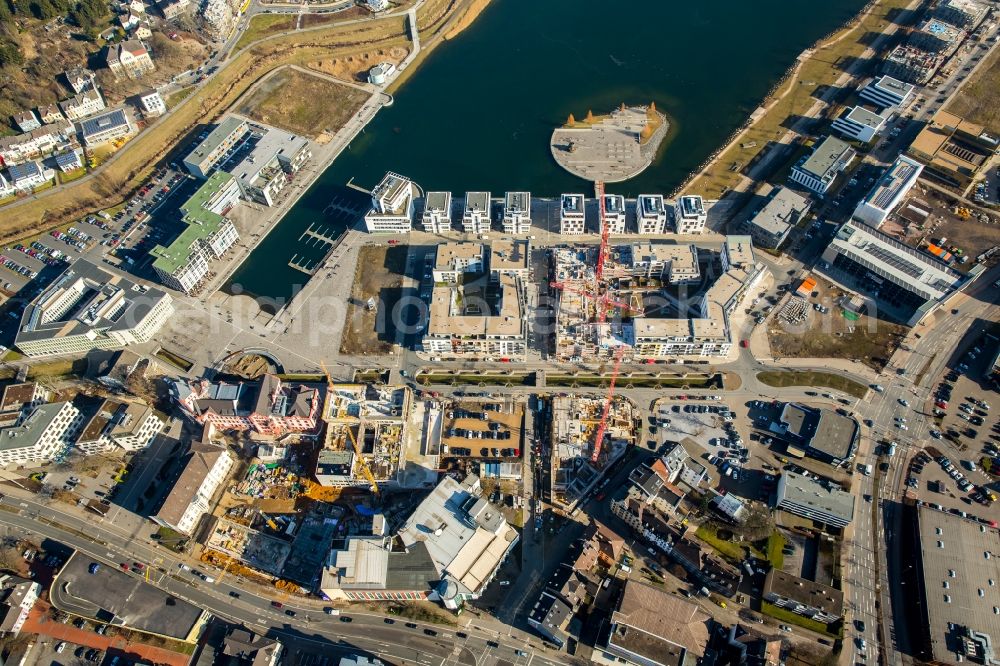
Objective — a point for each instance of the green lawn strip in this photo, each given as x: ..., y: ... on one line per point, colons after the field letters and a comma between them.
x: 796, y: 619
x: 780, y: 379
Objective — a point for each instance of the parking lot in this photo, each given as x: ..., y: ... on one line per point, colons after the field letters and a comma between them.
x: 952, y: 484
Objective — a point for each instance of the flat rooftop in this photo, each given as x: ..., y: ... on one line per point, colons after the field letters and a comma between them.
x: 941, y: 30
x: 448, y: 317
x: 572, y: 203
x: 390, y: 187
x: 133, y: 602
x: 650, y: 205
x: 201, y: 224
x: 784, y: 209
x: 692, y: 205
x: 451, y: 254
x: 893, y: 86
x: 614, y: 204
x: 219, y: 134
x: 894, y: 183
x: 863, y: 116
x: 961, y: 584
x: 519, y: 202
x: 439, y: 202
x: 826, y: 156
x: 85, y: 299
x: 509, y: 255
x: 272, y: 144
x: 811, y: 493
x: 805, y: 591
x: 478, y: 202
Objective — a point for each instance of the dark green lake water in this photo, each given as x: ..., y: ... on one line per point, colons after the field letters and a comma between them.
x: 478, y: 113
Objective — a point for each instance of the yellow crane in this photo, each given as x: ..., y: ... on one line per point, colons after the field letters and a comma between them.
x: 362, y: 463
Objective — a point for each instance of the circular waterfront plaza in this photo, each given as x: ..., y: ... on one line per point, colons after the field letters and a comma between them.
x: 610, y: 148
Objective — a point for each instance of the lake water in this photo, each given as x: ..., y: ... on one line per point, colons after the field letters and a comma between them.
x: 478, y: 113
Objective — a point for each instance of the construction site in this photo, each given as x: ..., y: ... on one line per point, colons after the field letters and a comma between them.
x: 588, y: 435
x: 366, y: 437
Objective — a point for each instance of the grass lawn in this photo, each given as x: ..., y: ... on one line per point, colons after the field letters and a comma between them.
x: 72, y: 175
x: 976, y: 100
x: 638, y: 382
x: 174, y: 359
x: 179, y: 96
x: 796, y: 619
x: 265, y: 25
x: 728, y: 549
x: 823, y: 68
x: 775, y: 543
x: 56, y: 369
x: 780, y: 379
x: 303, y: 103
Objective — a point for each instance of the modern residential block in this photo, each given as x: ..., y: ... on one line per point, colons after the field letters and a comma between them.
x: 689, y: 214
x: 436, y: 218
x: 819, y: 169
x: 651, y: 214
x: 782, y: 211
x: 476, y: 214
x: 392, y: 206
x: 614, y: 213
x: 47, y: 432
x: 517, y: 213
x: 572, y: 219
x: 217, y: 145
x: 860, y: 124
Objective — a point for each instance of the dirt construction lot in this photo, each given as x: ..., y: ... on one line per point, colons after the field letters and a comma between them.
x: 317, y: 106
x: 365, y: 331
x: 831, y: 334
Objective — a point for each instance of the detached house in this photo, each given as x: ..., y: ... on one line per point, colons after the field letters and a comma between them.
x: 130, y: 60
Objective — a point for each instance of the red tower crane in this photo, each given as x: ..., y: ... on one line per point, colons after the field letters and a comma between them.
x: 602, y: 427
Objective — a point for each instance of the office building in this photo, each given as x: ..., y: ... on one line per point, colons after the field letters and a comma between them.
x: 820, y: 501
x: 689, y: 214
x: 517, y: 213
x: 436, y: 217
x: 818, y: 433
x: 83, y: 104
x: 953, y: 150
x: 911, y: 64
x: 392, y: 206
x: 86, y: 308
x: 476, y: 214
x: 820, y: 168
x: 651, y: 627
x: 651, y: 214
x: 860, y: 124
x: 453, y: 260
x: 205, y: 471
x: 207, y: 236
x: 270, y: 164
x: 449, y: 549
x: 129, y: 59
x: 614, y: 213
x: 106, y: 127
x: 152, y: 103
x: 888, y: 192
x: 905, y: 281
x: 216, y: 146
x: 782, y: 212
x: 47, y: 433
x: 572, y: 219
x: 885, y: 92
x: 956, y: 589
x: 804, y: 597
x: 966, y: 14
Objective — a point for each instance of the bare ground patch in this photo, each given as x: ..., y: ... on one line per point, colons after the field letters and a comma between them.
x: 378, y: 275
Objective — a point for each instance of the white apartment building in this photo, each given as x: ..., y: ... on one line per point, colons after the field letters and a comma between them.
x: 461, y: 328
x: 436, y: 217
x: 454, y: 259
x: 28, y: 175
x: 20, y: 148
x: 819, y: 169
x: 17, y: 598
x: 47, y: 431
x: 152, y: 103
x: 614, y: 213
x: 572, y: 219
x: 651, y: 214
x: 689, y: 214
x: 130, y: 426
x: 23, y: 398
x: 517, y: 213
x: 206, y: 470
x: 860, y: 124
x: 86, y: 308
x: 476, y: 215
x: 265, y: 170
x: 219, y: 143
x: 889, y: 191
x: 392, y: 206
x: 677, y: 264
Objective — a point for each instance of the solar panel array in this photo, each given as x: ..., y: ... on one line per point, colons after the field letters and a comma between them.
x: 893, y: 260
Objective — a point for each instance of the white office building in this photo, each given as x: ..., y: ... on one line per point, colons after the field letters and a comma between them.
x: 44, y: 435
x: 517, y: 213
x: 689, y: 214
x: 888, y: 191
x: 392, y: 206
x: 860, y: 124
x: 651, y: 214
x: 476, y: 214
x: 811, y: 499
x: 886, y: 92
x: 572, y: 219
x: 614, y: 213
x: 819, y: 169
x: 436, y: 218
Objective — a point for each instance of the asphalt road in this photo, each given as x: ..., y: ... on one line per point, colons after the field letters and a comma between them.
x: 365, y: 631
